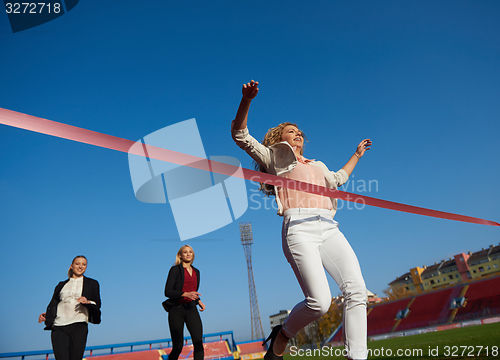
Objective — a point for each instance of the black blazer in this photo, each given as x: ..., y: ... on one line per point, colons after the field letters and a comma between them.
x: 175, y: 282
x: 90, y: 291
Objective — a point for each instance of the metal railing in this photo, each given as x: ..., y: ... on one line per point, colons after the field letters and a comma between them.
x: 122, y: 347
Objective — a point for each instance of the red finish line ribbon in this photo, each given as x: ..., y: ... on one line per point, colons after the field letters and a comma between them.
x: 69, y: 132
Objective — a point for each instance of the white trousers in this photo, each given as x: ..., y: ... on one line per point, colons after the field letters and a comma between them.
x: 312, y: 241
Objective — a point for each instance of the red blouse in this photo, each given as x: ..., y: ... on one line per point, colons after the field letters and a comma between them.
x: 190, y: 282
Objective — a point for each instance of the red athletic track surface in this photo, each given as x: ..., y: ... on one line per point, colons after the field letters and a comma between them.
x: 213, y: 350
x: 136, y: 355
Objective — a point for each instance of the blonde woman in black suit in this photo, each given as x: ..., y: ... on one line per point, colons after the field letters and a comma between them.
x: 181, y: 289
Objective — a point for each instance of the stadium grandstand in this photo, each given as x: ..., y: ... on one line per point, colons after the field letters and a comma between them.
x: 461, y: 268
x: 472, y: 303
x: 464, y: 290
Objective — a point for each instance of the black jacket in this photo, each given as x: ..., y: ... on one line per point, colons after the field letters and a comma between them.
x: 175, y: 282
x: 90, y: 291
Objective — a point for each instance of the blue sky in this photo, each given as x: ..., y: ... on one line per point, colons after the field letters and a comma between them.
x: 421, y: 79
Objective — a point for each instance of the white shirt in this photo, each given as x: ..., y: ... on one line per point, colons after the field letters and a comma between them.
x: 69, y: 311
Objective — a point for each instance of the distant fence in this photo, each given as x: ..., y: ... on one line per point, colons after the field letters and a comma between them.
x: 121, y: 348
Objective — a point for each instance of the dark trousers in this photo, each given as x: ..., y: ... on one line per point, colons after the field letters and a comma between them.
x: 177, y: 317
x: 68, y: 342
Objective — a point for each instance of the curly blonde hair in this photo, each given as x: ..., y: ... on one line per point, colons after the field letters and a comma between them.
x: 273, y: 136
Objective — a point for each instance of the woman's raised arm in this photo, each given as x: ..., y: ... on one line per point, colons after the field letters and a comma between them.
x: 360, y: 151
x: 249, y: 92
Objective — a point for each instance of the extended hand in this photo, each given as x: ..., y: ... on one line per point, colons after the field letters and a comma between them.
x: 42, y: 318
x: 363, y: 146
x: 250, y: 90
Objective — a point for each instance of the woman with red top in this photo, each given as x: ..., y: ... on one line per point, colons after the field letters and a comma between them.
x: 181, y: 289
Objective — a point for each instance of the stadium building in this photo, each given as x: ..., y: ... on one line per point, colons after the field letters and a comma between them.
x: 461, y: 268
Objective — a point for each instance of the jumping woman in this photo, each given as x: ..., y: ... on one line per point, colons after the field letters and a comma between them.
x: 311, y: 239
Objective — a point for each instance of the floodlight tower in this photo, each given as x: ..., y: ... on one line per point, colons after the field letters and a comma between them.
x: 247, y: 241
